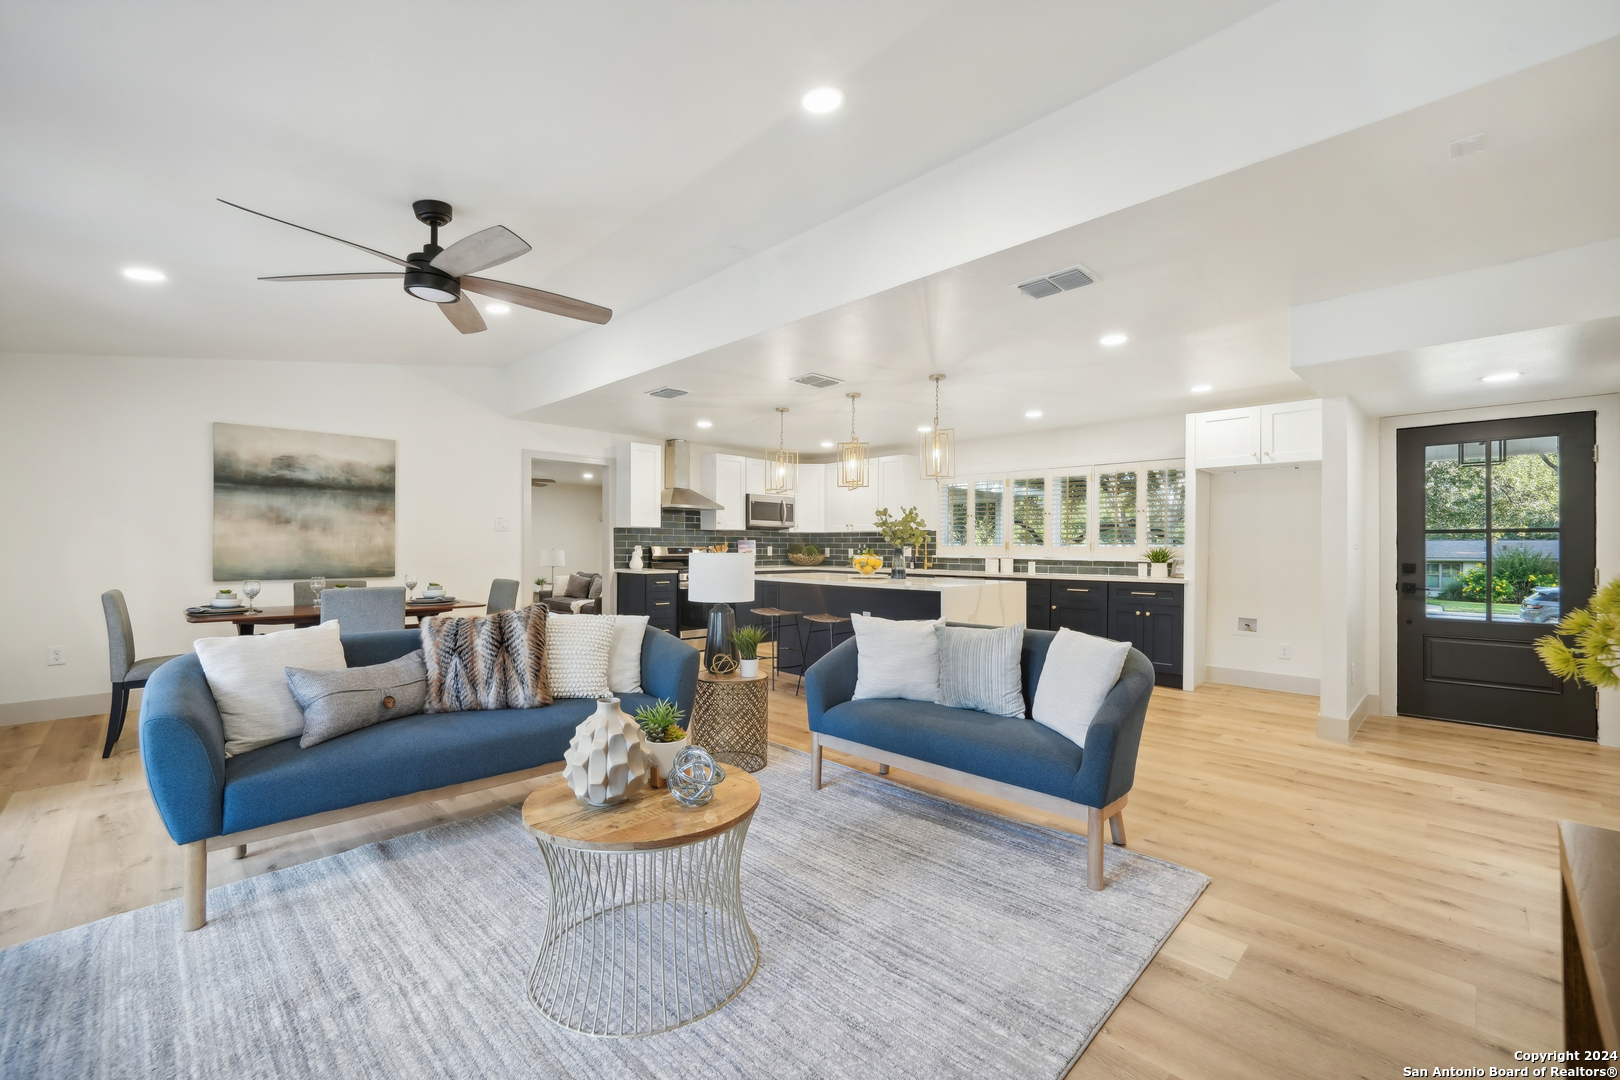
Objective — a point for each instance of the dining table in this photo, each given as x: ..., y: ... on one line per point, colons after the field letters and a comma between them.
x: 310, y: 614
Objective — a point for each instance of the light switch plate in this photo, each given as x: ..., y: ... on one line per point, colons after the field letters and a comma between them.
x: 501, y: 525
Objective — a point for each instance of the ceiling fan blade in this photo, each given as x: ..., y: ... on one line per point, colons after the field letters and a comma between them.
x: 335, y: 277
x: 464, y: 315
x: 537, y: 299
x: 317, y: 232
x: 480, y: 251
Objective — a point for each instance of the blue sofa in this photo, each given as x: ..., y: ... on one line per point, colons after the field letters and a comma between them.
x: 1010, y: 757
x: 209, y: 802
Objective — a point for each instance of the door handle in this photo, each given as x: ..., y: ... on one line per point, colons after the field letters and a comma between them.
x: 1408, y: 587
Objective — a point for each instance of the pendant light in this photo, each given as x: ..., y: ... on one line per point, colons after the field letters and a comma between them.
x: 853, y: 459
x: 782, y: 467
x: 939, y: 444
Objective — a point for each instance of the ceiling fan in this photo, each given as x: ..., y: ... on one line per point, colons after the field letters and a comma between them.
x: 443, y: 275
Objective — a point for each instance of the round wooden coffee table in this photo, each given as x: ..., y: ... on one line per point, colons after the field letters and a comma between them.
x: 645, y: 931
x: 731, y: 719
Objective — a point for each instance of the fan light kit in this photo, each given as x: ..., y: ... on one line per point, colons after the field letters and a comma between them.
x: 782, y: 467
x: 440, y: 275
x: 144, y: 273
x: 938, y: 444
x: 853, y: 459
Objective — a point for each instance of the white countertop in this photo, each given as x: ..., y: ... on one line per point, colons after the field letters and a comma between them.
x: 1132, y: 579
x: 880, y: 580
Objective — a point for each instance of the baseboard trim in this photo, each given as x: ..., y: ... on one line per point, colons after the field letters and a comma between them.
x: 61, y: 708
x: 1334, y: 729
x: 1263, y: 680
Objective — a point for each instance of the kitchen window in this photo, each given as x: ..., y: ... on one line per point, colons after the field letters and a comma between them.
x: 1029, y: 511
x: 987, y: 512
x: 1111, y: 511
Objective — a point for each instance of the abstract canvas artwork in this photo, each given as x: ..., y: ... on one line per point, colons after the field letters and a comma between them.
x: 291, y: 504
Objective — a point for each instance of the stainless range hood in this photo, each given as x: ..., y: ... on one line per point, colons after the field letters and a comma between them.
x: 680, y: 495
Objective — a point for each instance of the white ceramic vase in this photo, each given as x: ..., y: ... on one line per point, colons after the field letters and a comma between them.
x: 606, y: 761
x: 1159, y: 569
x: 748, y: 669
x: 635, y: 558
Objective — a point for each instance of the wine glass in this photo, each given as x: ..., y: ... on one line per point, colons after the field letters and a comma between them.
x: 316, y: 585
x: 250, y: 589
x: 410, y: 584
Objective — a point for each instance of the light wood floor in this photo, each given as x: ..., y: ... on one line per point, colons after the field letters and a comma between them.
x: 1374, y: 906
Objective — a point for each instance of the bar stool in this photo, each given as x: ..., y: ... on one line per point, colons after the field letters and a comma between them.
x: 822, y: 621
x: 776, y: 615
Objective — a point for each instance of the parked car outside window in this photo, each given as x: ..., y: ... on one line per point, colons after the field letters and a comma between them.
x: 1542, y: 605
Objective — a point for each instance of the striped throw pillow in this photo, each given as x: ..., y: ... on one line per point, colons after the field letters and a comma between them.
x: 978, y: 669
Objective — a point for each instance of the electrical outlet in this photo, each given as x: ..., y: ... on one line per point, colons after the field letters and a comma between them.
x: 501, y: 525
x: 55, y: 655
x: 1247, y: 625
x: 1282, y: 651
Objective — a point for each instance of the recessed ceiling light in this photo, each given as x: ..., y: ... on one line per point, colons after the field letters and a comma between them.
x: 497, y: 309
x: 705, y: 423
x: 1203, y: 388
x: 1502, y: 376
x: 1032, y: 414
x: 823, y: 99
x: 144, y: 273
x: 826, y: 446
x: 925, y: 429
x: 1112, y: 339
x: 586, y: 475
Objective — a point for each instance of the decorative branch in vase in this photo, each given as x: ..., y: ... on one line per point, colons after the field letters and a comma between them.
x: 907, y: 530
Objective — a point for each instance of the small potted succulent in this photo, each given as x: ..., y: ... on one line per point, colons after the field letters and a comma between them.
x: 663, y: 735
x: 434, y: 589
x: 226, y: 598
x: 1158, y: 561
x: 748, y: 639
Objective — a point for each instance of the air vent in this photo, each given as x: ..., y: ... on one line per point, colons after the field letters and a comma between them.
x: 667, y: 392
x: 1059, y: 281
x: 820, y: 382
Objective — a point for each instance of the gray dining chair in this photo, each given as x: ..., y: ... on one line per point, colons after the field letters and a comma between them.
x: 128, y: 673
x: 363, y: 610
x: 304, y: 596
x: 503, y: 594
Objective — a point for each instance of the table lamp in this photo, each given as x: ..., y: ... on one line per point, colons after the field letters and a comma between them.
x: 551, y: 558
x: 721, y: 579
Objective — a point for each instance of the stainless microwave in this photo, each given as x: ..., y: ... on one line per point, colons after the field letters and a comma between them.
x: 770, y: 512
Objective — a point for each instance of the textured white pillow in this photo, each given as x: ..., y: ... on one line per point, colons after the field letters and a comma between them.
x: 979, y: 669
x: 1079, y: 671
x: 248, y: 676
x: 578, y: 648
x: 899, y: 658
x: 624, y: 666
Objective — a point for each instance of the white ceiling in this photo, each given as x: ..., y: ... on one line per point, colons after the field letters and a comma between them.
x: 1202, y: 280
x: 639, y: 146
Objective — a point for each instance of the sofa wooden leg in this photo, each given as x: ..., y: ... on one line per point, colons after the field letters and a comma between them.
x: 883, y: 770
x: 1117, y: 823
x: 196, y: 890
x: 240, y: 851
x: 815, y: 762
x: 1094, y: 848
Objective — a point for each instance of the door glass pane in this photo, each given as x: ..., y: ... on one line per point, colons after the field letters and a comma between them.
x: 1166, y: 506
x: 987, y: 512
x: 1524, y: 577
x: 1456, y: 583
x: 954, y: 514
x: 1029, y: 511
x: 1524, y: 484
x: 1071, y: 511
x: 1454, y: 486
x: 1116, y: 508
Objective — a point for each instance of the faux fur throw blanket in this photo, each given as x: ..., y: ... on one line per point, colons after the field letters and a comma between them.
x: 489, y: 662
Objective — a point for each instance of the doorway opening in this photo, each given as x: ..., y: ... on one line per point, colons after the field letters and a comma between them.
x: 566, y: 535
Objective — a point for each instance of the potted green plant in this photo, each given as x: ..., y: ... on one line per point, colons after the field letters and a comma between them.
x: 540, y: 590
x: 1158, y: 561
x: 433, y: 590
x: 748, y: 639
x: 906, y: 531
x: 805, y: 555
x: 662, y: 734
x: 1592, y: 655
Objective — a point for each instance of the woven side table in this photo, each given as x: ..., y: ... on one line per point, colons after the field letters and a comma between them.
x: 729, y: 719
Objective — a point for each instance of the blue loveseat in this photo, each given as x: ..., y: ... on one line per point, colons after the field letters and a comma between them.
x: 1010, y: 757
x: 209, y: 802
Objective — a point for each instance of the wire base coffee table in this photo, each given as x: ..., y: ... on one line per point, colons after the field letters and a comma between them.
x: 645, y: 931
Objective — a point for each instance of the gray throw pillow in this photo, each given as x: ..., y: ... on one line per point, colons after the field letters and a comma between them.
x: 979, y: 669
x: 579, y: 586
x: 338, y: 702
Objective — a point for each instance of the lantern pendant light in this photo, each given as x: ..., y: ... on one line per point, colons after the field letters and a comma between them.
x: 939, y: 444
x: 853, y: 459
x: 782, y: 467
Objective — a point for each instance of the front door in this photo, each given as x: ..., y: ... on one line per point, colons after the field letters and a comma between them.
x: 1496, y: 538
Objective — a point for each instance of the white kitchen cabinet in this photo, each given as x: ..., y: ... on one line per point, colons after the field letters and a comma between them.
x: 724, y: 478
x: 896, y: 479
x: 638, y: 485
x: 810, y: 500
x: 1258, y: 436
x: 757, y: 476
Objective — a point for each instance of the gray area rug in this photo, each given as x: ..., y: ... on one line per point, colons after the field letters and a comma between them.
x: 900, y: 936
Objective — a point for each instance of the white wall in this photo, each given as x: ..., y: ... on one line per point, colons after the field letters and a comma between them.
x: 1147, y: 438
x: 569, y: 517
x: 108, y: 483
x: 1265, y: 562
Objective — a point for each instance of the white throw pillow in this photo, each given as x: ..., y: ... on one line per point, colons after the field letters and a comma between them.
x: 1079, y: 671
x: 248, y: 676
x: 899, y: 658
x: 578, y: 648
x: 979, y: 669
x: 624, y: 666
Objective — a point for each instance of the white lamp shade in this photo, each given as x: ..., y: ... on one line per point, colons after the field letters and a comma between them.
x: 716, y: 577
x: 552, y: 557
